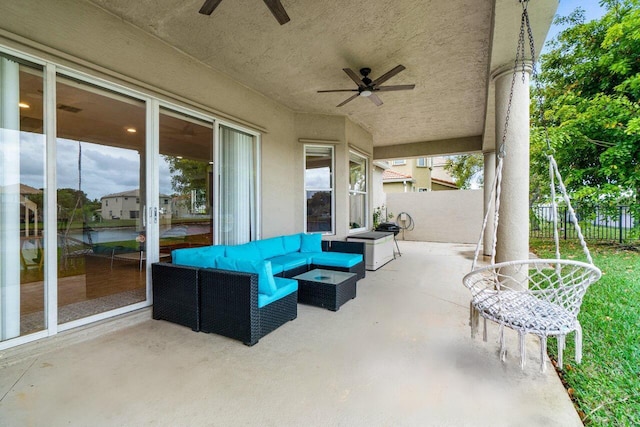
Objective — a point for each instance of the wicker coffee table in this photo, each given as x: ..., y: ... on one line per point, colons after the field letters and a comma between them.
x: 326, y: 288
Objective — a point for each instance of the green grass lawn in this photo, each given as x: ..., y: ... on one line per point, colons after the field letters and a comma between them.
x: 606, y: 385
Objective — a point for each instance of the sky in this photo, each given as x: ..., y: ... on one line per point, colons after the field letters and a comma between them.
x: 591, y: 7
x: 99, y: 163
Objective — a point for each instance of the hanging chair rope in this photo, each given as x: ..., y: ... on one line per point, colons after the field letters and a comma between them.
x: 520, y: 64
x: 532, y: 296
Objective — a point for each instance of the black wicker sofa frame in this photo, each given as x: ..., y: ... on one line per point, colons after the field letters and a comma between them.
x: 217, y: 301
x: 226, y: 302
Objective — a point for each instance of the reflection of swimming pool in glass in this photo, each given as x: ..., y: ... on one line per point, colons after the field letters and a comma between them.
x: 321, y: 278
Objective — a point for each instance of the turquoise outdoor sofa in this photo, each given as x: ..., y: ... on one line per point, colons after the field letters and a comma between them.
x: 244, y: 291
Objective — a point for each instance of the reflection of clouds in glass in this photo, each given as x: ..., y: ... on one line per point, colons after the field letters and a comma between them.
x: 318, y: 178
x: 32, y: 155
x: 105, y: 170
x: 165, y: 177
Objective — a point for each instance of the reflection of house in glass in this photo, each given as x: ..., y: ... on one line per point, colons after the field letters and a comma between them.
x: 126, y: 205
x: 29, y: 209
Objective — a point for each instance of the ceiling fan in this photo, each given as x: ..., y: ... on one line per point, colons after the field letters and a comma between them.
x: 367, y: 87
x: 274, y: 6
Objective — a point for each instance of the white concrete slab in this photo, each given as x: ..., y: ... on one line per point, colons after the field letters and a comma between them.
x: 400, y: 354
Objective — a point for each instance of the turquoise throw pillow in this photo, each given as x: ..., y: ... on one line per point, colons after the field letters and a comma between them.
x: 266, y: 283
x: 245, y: 251
x: 311, y: 243
x: 291, y: 243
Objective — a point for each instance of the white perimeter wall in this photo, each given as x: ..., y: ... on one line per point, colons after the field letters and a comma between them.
x: 440, y: 216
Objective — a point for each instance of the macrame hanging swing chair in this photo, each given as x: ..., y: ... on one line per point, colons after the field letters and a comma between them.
x: 532, y: 296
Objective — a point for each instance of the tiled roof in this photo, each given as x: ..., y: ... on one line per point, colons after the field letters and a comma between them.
x: 130, y: 193
x: 444, y: 182
x: 390, y: 174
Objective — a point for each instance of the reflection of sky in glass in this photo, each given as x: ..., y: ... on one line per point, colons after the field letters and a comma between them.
x: 32, y: 156
x: 165, y: 177
x: 105, y: 170
x: 318, y: 178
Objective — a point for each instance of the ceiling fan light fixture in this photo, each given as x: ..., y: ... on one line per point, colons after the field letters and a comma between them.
x: 366, y: 93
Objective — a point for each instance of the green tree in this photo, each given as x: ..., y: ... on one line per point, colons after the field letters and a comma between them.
x: 587, y: 98
x: 189, y: 177
x: 463, y: 167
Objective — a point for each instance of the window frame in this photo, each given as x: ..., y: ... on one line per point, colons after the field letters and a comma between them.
x: 365, y: 162
x: 331, y: 189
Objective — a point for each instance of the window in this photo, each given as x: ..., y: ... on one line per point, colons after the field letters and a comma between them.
x: 318, y: 184
x: 398, y: 162
x: 357, y: 192
x: 424, y: 162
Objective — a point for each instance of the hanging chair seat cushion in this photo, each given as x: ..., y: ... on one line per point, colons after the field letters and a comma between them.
x: 522, y: 310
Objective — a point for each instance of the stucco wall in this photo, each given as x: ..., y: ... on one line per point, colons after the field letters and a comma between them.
x: 440, y: 216
x: 85, y: 38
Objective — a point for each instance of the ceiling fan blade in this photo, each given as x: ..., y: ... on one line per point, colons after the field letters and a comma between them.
x: 374, y: 98
x: 209, y: 6
x: 386, y: 76
x: 338, y: 90
x: 352, y: 74
x: 348, y: 100
x: 278, y: 11
x: 396, y: 87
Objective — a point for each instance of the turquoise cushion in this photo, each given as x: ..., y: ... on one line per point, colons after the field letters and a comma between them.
x: 306, y: 256
x: 289, y: 262
x: 197, y: 257
x: 337, y: 259
x: 284, y: 288
x: 270, y: 247
x: 275, y: 267
x: 266, y: 283
x: 311, y: 242
x: 246, y: 251
x: 291, y: 243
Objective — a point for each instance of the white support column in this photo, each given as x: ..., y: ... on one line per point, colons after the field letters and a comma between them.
x: 513, y: 226
x: 9, y: 199
x: 489, y: 176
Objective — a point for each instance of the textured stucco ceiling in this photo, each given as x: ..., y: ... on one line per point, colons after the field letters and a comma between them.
x: 446, y: 47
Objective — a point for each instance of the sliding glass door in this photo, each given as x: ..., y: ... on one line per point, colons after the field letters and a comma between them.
x: 100, y: 171
x: 96, y: 182
x: 22, y: 185
x: 238, y: 192
x: 185, y: 212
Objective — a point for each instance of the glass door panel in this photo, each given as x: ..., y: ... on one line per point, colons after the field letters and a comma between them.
x: 100, y: 179
x: 22, y: 184
x: 237, y: 186
x: 186, y: 182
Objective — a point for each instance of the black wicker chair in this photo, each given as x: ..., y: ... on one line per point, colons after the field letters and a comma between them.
x: 227, y: 302
x: 176, y: 294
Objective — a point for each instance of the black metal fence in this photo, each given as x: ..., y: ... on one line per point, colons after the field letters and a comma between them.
x: 597, y: 223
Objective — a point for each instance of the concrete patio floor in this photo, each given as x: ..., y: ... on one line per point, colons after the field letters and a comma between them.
x: 400, y: 354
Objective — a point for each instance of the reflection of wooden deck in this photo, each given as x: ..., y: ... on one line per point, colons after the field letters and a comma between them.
x: 100, y: 280
x: 70, y: 290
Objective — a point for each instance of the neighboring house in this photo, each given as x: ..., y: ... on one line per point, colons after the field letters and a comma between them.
x: 421, y: 174
x: 126, y: 205
x: 396, y: 182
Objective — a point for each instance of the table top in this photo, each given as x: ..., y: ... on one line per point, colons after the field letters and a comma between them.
x: 371, y: 235
x: 331, y: 277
